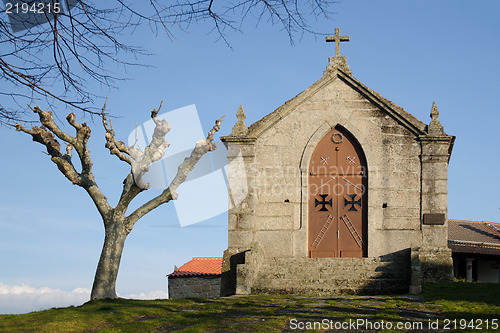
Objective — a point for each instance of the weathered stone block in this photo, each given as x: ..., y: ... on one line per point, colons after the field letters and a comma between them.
x: 392, y: 212
x: 435, y: 170
x: 273, y: 222
x: 402, y: 223
x: 434, y: 202
x: 274, y: 209
x: 240, y: 239
x: 232, y: 222
x: 245, y: 221
x: 436, y: 264
x: 275, y: 243
x: 435, y: 235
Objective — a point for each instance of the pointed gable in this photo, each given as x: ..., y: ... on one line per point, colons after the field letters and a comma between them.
x: 335, y: 72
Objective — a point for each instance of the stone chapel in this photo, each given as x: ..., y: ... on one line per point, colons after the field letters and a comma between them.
x: 344, y: 193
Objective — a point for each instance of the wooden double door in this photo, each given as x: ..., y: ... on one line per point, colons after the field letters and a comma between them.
x: 337, y: 197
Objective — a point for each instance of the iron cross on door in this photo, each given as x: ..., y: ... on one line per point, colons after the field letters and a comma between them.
x: 337, y: 197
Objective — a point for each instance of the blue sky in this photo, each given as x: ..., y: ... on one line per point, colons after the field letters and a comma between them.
x: 412, y: 53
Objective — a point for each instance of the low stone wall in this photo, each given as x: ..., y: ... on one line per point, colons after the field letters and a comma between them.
x: 193, y: 286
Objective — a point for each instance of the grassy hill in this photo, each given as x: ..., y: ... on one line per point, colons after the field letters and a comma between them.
x: 457, y: 305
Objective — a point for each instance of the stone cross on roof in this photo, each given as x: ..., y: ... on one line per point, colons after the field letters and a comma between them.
x: 337, y: 39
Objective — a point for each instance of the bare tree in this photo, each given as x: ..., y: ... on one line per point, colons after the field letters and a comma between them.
x: 117, y: 224
x: 62, y: 53
x: 56, y: 61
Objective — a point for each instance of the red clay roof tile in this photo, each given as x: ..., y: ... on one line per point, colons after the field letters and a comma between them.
x: 474, y: 231
x: 474, y: 237
x: 199, y: 266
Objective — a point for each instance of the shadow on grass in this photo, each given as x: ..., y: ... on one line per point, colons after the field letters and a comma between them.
x: 463, y: 291
x: 262, y: 313
x: 467, y: 303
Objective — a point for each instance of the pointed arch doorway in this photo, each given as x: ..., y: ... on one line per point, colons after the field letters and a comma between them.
x: 338, y: 186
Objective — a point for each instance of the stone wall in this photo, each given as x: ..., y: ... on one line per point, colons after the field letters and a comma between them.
x: 275, y: 212
x: 282, y: 156
x: 193, y: 286
x: 328, y: 276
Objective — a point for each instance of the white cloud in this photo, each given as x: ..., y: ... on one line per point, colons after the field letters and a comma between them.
x: 25, y: 298
x: 155, y: 294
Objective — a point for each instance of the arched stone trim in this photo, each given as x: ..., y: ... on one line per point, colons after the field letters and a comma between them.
x: 306, y: 156
x: 318, y: 134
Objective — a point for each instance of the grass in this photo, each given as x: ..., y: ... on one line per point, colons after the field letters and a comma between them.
x: 466, y: 305
x: 442, y: 302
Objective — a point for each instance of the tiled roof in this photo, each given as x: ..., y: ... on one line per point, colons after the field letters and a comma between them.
x: 470, y: 248
x: 199, y: 266
x: 474, y: 237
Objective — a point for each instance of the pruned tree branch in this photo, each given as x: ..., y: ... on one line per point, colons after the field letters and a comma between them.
x: 201, y: 148
x: 63, y: 162
x: 153, y: 152
x: 46, y: 135
x: 139, y: 161
x: 129, y: 192
x: 117, y: 148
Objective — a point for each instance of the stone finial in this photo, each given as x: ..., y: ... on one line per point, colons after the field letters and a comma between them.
x: 337, y: 61
x: 240, y: 128
x: 435, y: 128
x: 434, y: 112
x: 337, y: 39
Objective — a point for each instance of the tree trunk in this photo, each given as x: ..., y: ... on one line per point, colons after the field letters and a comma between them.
x: 109, y: 262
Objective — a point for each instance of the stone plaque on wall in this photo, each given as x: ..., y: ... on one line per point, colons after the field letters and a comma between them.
x: 434, y: 219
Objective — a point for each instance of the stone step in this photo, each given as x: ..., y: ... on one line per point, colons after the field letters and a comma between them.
x: 330, y: 287
x: 335, y: 275
x: 338, y: 282
x: 383, y: 269
x: 324, y: 261
x: 331, y: 276
x: 328, y: 263
x: 328, y: 260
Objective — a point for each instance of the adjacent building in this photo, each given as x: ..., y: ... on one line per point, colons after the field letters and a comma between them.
x: 475, y: 248
x: 199, y: 277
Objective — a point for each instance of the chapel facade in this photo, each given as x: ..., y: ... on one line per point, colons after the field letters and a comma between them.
x: 344, y: 192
